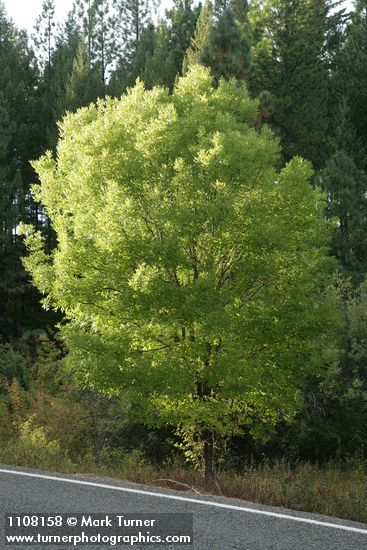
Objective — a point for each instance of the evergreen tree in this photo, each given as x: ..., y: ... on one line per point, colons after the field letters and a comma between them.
x: 85, y: 13
x: 44, y: 37
x: 133, y: 17
x: 97, y: 24
x: 240, y: 11
x: 163, y: 63
x: 289, y: 64
x: 173, y: 38
x: 158, y: 55
x: 19, y: 141
x: 201, y: 37
x: 345, y: 180
x: 351, y: 78
x: 238, y: 7
x: 227, y: 51
x: 139, y: 66
x: 84, y: 84
x: 338, y: 400
x: 53, y: 90
x: 143, y: 56
x: 68, y: 42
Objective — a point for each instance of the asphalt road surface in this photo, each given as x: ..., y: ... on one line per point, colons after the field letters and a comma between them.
x: 219, y: 523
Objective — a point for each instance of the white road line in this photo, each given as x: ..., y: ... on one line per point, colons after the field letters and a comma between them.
x: 187, y: 499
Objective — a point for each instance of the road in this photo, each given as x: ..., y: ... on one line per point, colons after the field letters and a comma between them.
x: 219, y: 523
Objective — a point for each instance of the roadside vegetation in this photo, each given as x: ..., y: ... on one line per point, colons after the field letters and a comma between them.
x: 52, y: 425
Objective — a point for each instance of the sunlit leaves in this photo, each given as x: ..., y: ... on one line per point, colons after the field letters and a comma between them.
x: 190, y: 272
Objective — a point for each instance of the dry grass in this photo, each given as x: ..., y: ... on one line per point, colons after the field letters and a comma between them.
x: 334, y: 489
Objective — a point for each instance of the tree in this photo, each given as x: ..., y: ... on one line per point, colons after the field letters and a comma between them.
x: 84, y: 84
x: 44, y: 37
x: 19, y: 141
x: 53, y: 92
x: 133, y: 16
x: 338, y: 400
x: 289, y: 62
x: 346, y: 386
x: 189, y: 271
x: 173, y: 38
x: 227, y: 51
x: 97, y: 24
x: 162, y: 65
x: 351, y: 80
x: 203, y: 28
x: 239, y: 9
x: 139, y: 66
x: 136, y: 42
x: 143, y: 56
x: 344, y: 178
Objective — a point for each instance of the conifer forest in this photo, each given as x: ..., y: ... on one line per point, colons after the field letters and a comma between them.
x: 183, y: 246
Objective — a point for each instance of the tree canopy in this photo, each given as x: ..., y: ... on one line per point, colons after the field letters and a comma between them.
x: 190, y: 272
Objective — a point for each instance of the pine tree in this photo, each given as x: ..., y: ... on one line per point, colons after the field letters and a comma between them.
x: 19, y: 141
x: 85, y: 13
x: 238, y: 7
x: 201, y: 37
x: 158, y: 55
x: 52, y: 90
x: 163, y: 65
x: 44, y: 37
x: 227, y: 51
x: 68, y: 42
x: 143, y: 55
x: 139, y: 66
x: 97, y: 24
x: 240, y: 11
x: 133, y: 17
x: 344, y: 178
x: 351, y: 80
x: 173, y: 38
x: 289, y: 62
x: 84, y: 85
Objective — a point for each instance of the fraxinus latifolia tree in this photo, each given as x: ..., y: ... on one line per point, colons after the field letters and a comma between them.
x: 190, y: 272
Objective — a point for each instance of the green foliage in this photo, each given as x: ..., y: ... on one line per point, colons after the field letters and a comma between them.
x: 162, y: 65
x: 290, y: 63
x: 44, y: 34
x: 53, y: 86
x: 140, y: 65
x: 238, y: 7
x: 155, y: 55
x: 97, y: 25
x: 133, y: 17
x: 227, y: 51
x: 33, y: 448
x: 19, y: 141
x: 140, y: 295
x: 12, y: 367
x: 199, y: 40
x: 351, y: 77
x: 337, y: 400
x: 84, y: 84
x: 190, y: 272
x: 173, y: 38
x: 344, y: 178
x: 344, y: 392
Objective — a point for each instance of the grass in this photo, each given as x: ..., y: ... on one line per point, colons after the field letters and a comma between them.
x: 334, y: 489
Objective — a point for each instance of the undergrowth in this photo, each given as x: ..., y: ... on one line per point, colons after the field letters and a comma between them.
x: 335, y: 489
